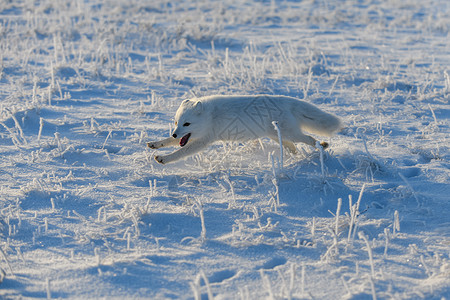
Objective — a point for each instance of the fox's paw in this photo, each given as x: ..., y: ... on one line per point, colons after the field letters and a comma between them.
x: 160, y: 159
x: 324, y: 145
x: 153, y: 145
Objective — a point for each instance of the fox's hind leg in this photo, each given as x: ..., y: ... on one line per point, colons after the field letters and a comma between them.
x: 291, y: 135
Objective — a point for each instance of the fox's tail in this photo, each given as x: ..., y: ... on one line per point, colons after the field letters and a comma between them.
x: 317, y: 121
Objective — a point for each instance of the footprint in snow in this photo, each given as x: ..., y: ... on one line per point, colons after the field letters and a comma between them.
x: 273, y: 263
x: 221, y: 276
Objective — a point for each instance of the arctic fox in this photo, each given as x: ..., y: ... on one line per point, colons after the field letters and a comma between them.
x: 202, y: 121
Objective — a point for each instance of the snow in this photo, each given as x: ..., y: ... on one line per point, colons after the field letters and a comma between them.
x: 86, y: 212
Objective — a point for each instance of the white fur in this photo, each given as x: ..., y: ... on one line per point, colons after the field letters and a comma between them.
x: 242, y: 118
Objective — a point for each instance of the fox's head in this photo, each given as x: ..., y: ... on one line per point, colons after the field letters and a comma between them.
x: 190, y: 122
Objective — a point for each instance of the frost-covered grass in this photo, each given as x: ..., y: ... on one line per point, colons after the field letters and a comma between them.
x: 85, y: 211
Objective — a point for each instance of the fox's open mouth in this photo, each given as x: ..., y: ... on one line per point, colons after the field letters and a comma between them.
x: 184, y: 139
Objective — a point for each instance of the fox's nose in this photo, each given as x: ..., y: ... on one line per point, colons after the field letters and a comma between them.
x: 174, y: 135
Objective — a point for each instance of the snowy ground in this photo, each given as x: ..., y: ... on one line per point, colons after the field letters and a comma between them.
x: 86, y: 212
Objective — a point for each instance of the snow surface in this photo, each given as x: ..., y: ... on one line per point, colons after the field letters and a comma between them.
x: 87, y: 213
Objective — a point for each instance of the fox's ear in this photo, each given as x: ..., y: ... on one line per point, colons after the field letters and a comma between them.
x: 198, y: 106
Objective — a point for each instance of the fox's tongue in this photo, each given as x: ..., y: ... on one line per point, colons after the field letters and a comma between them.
x: 184, y: 139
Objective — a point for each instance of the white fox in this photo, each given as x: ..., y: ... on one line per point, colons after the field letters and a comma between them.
x: 202, y: 121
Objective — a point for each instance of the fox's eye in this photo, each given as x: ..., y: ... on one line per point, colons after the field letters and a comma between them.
x: 186, y: 124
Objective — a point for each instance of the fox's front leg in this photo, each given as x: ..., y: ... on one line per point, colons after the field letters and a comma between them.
x: 164, y: 143
x: 191, y: 148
